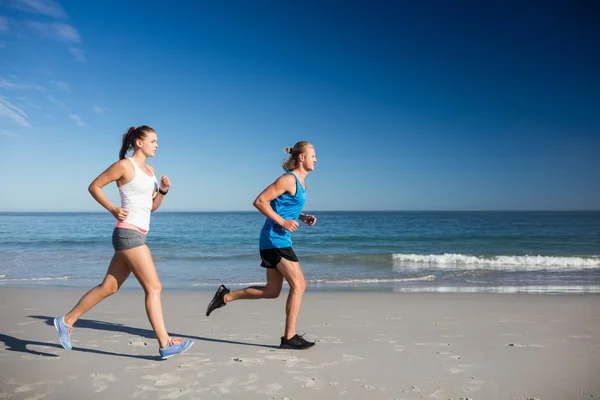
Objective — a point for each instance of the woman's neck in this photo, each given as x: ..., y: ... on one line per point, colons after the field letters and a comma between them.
x: 139, y: 158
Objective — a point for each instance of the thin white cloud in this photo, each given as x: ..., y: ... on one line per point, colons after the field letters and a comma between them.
x: 77, y: 54
x: 77, y: 119
x: 101, y: 110
x: 14, y: 113
x: 67, y: 33
x: 64, y: 86
x: 4, y: 27
x: 62, y: 32
x: 13, y: 83
x: 58, y: 102
x: 43, y: 7
x: 5, y: 133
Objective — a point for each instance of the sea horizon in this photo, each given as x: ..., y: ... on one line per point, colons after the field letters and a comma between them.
x: 405, y: 251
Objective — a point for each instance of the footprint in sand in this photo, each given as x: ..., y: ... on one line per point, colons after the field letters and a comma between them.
x: 247, y: 361
x: 249, y: 383
x: 399, y: 348
x: 148, y: 365
x: 137, y: 342
x: 290, y: 361
x: 101, y: 381
x: 203, y: 374
x: 452, y: 356
x: 473, y: 386
x: 191, y: 363
x: 23, y: 389
x: 432, y: 344
x: 34, y: 397
x: 165, y: 393
x: 329, y: 340
x: 322, y: 365
x: 271, y: 388
x: 163, y: 380
x: 349, y: 357
x: 223, y: 387
x: 308, y: 382
x: 461, y: 368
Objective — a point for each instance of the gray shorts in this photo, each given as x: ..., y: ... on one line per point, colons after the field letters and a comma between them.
x: 123, y: 239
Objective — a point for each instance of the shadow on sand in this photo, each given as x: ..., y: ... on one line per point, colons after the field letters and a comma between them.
x: 15, y: 344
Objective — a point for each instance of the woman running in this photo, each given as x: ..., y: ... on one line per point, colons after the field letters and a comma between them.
x: 140, y: 195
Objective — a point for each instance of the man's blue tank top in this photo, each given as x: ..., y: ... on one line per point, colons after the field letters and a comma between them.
x: 272, y: 235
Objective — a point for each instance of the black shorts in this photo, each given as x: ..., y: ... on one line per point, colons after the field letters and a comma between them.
x: 271, y: 257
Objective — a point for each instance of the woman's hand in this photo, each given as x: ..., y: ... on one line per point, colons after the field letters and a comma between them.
x: 119, y: 213
x: 165, y: 183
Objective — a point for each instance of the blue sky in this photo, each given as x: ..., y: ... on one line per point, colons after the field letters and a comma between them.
x: 411, y: 105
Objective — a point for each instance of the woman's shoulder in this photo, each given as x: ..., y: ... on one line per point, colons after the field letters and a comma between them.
x: 124, y: 163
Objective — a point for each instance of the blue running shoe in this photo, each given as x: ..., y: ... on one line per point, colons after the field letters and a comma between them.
x: 175, y: 346
x: 64, y: 332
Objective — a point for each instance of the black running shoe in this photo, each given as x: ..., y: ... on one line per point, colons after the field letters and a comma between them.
x: 217, y: 301
x: 296, y: 342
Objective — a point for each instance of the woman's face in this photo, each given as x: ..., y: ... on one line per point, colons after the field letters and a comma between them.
x: 148, y: 144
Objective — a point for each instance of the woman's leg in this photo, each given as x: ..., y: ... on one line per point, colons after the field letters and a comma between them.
x: 270, y: 291
x: 292, y: 273
x: 117, y: 273
x: 139, y: 260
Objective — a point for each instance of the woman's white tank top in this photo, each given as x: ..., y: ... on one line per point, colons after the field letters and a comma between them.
x: 136, y: 197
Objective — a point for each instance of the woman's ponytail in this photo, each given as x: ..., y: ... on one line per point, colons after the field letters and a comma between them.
x: 126, y: 143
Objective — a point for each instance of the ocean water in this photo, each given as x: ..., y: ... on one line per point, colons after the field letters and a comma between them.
x: 500, y: 252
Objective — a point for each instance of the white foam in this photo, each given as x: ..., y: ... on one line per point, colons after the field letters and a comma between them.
x: 461, y: 261
x: 337, y: 281
x: 33, y: 279
x: 566, y: 289
x: 391, y: 280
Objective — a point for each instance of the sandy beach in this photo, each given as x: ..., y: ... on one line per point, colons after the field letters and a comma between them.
x: 370, y: 345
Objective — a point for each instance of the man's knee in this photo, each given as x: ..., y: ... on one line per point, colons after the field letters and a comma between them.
x: 298, y: 286
x: 272, y: 293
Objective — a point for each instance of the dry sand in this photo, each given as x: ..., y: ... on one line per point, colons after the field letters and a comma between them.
x: 371, y: 345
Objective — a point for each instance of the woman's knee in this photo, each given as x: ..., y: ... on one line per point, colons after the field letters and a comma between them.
x: 154, y: 288
x: 109, y: 289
